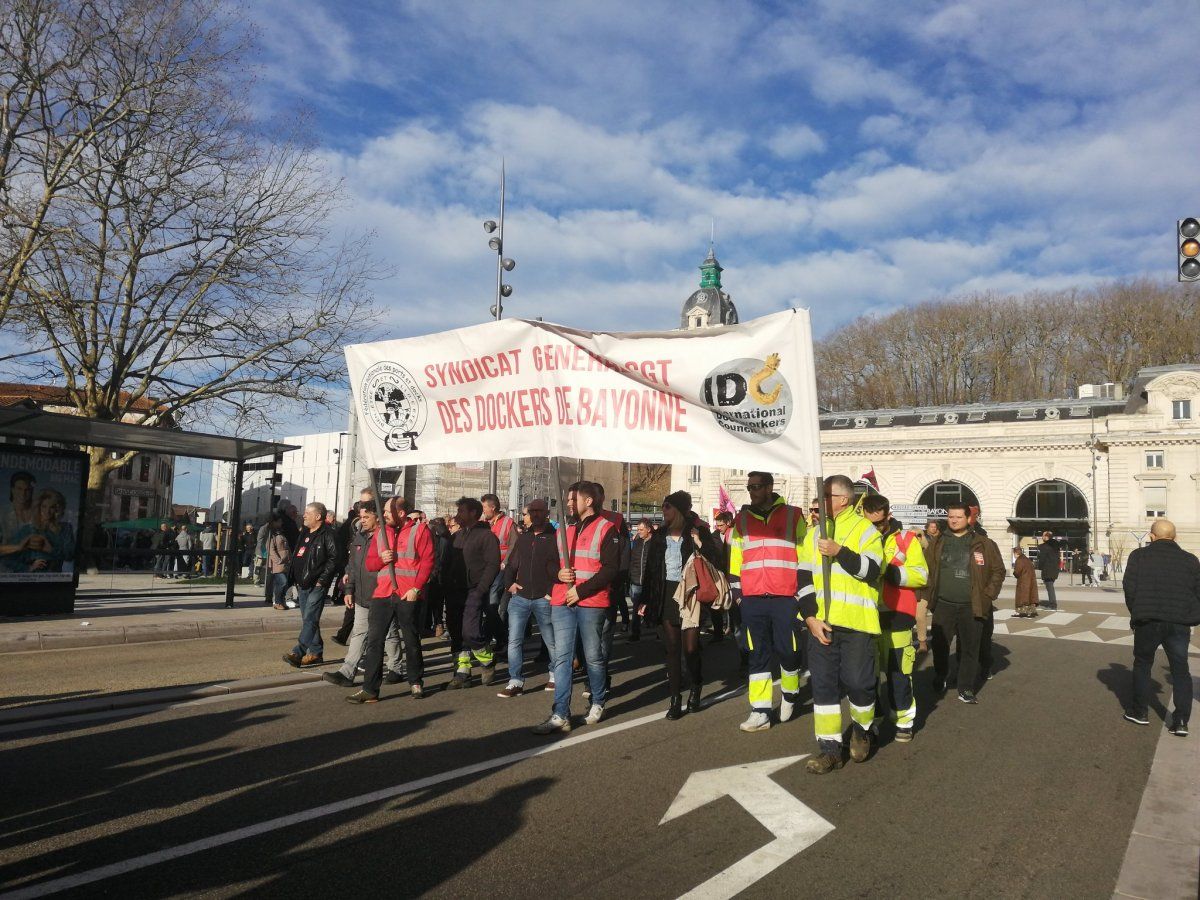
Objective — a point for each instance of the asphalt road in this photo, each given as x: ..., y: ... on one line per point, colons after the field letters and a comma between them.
x: 1032, y: 793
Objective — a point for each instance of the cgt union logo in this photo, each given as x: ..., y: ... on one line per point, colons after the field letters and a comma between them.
x: 393, y: 406
x: 750, y: 398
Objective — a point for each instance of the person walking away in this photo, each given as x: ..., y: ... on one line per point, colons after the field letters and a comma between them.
x: 1049, y: 564
x: 473, y: 567
x: 164, y: 544
x: 1027, y: 597
x: 904, y: 573
x: 504, y: 528
x: 208, y: 543
x: 1162, y: 592
x: 183, y: 562
x: 966, y: 572
x: 764, y: 554
x: 637, y: 571
x: 579, y: 604
x: 359, y: 586
x: 844, y: 627
x: 667, y: 554
x: 279, y: 561
x: 400, y: 555
x: 312, y: 566
x: 529, y: 578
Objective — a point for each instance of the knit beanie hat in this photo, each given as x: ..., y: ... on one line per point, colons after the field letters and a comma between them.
x: 681, y: 500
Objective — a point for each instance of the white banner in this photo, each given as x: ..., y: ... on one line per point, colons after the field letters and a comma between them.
x: 739, y: 396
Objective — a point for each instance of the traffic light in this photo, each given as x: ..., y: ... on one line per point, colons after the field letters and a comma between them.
x: 1189, y: 249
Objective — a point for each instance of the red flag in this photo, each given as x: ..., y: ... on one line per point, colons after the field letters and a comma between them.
x: 724, y: 500
x: 869, y: 478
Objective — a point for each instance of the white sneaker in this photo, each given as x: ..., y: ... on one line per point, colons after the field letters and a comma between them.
x: 758, y: 721
x: 553, y: 724
x: 290, y: 604
x: 594, y: 714
x: 787, y: 709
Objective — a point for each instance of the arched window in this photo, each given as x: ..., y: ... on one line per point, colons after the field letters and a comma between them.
x: 936, y: 496
x: 1051, y: 500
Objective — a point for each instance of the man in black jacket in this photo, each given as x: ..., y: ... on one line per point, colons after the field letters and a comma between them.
x: 531, y: 572
x: 473, y: 565
x: 1049, y: 564
x: 1162, y: 591
x: 313, y: 565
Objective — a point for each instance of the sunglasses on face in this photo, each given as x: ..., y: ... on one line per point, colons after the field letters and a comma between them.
x: 755, y: 487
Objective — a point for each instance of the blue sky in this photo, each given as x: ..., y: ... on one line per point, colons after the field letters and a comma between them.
x: 856, y: 157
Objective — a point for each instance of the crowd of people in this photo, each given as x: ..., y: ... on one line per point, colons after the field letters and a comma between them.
x: 845, y: 605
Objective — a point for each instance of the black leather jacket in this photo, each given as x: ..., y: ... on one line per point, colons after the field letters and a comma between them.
x: 314, y: 567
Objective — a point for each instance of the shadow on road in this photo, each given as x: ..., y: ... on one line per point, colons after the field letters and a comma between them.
x: 1118, y: 678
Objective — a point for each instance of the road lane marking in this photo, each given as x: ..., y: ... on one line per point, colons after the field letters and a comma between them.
x: 793, y: 825
x: 145, y: 860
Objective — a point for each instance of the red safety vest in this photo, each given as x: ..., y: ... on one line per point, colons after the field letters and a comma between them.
x: 406, y: 562
x: 769, y: 552
x: 896, y: 598
x: 502, y: 528
x: 584, y: 558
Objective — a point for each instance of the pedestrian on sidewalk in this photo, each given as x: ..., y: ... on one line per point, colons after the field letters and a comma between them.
x: 529, y: 578
x: 966, y: 573
x: 1162, y: 592
x: 1050, y: 564
x: 473, y: 567
x: 164, y: 545
x: 312, y: 566
x: 246, y: 542
x: 1027, y: 596
x: 400, y: 556
x: 208, y: 543
x: 279, y: 561
x: 262, y: 573
x: 183, y: 562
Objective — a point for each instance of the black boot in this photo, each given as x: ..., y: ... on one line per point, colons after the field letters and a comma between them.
x: 676, y: 710
x: 693, y: 705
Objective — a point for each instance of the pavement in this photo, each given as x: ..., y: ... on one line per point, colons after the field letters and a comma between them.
x: 1039, y: 791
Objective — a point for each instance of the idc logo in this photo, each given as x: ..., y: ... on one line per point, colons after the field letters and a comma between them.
x: 749, y: 398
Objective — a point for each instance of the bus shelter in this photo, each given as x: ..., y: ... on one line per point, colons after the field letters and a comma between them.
x: 32, y: 439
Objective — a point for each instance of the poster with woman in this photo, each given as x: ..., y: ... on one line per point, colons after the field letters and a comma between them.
x: 41, y: 495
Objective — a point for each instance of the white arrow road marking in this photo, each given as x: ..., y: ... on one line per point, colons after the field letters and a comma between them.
x: 793, y: 824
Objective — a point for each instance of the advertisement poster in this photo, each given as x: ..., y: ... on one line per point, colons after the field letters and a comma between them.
x: 41, y: 495
x: 742, y: 396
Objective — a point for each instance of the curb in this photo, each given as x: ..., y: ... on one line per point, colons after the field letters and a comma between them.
x: 30, y: 641
x: 26, y: 714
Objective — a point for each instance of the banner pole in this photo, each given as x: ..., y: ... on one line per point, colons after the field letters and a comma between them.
x: 823, y: 531
x: 556, y: 478
x: 381, y: 532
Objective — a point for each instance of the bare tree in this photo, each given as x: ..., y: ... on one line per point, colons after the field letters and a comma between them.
x: 988, y: 347
x: 168, y: 247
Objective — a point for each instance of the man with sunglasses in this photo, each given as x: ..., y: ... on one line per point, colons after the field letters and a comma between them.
x: 843, y: 626
x: 764, y: 551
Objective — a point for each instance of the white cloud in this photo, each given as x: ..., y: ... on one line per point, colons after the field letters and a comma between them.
x: 795, y: 142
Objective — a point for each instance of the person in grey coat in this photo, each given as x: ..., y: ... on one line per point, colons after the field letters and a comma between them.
x: 359, y: 586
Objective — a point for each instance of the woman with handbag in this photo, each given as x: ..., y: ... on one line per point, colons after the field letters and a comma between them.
x: 667, y: 554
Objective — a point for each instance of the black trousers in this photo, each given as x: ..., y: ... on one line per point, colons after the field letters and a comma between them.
x: 1174, y: 639
x: 956, y: 621
x: 343, y: 633
x: 379, y: 618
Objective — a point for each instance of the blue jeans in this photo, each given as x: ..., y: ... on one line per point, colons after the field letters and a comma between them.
x: 588, y: 623
x: 278, y: 587
x: 312, y: 602
x: 519, y: 610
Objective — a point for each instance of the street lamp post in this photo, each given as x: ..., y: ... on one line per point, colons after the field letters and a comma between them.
x: 503, y: 264
x: 337, y: 485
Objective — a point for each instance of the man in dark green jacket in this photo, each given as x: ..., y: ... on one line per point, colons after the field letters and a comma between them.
x: 965, y: 575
